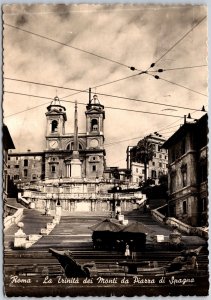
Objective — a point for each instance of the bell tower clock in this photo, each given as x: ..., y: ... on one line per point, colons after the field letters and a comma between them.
x: 95, y: 116
x: 55, y: 128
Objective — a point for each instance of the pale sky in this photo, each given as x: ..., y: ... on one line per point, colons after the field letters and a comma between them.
x: 134, y: 35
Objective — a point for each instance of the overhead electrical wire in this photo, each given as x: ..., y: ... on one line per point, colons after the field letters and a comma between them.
x: 167, y: 127
x: 103, y: 84
x: 134, y: 75
x: 19, y: 112
x: 158, y: 130
x: 121, y: 141
x: 102, y: 57
x: 179, y: 68
x: 110, y: 107
x: 176, y: 43
x: 177, y: 84
x: 153, y: 64
x: 104, y: 94
x: 69, y: 46
x: 132, y: 68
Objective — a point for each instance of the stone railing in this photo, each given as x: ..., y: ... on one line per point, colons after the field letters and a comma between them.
x: 171, y: 221
x: 66, y: 196
x: 23, y: 201
x: 23, y: 241
x: 15, y: 218
x: 157, y: 215
x: 180, y: 225
x: 10, y: 210
x: 200, y: 231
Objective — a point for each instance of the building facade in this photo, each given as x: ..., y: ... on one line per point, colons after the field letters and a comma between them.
x: 7, y: 144
x: 55, y: 161
x: 187, y: 176
x: 156, y: 167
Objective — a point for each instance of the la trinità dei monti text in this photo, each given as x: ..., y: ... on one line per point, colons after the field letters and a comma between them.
x: 72, y: 168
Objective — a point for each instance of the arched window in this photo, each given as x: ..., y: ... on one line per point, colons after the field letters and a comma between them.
x: 54, y: 126
x: 70, y: 146
x: 94, y: 125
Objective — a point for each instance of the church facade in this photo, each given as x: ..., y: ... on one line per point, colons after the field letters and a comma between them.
x: 56, y: 161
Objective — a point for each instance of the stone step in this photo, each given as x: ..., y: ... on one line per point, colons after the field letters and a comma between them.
x: 33, y: 221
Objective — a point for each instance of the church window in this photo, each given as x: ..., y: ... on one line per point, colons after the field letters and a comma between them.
x: 94, y: 125
x: 94, y: 168
x: 54, y: 126
x: 93, y: 158
x: 16, y: 166
x: 25, y: 173
x: 25, y: 162
x: 16, y: 177
x: 53, y: 169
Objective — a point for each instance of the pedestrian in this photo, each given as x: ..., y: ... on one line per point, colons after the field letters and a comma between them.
x: 127, y: 251
x: 133, y: 253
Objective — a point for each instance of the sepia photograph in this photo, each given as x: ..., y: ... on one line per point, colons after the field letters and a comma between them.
x: 105, y: 150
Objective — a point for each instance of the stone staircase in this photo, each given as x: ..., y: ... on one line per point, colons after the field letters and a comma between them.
x: 72, y: 231
x: 33, y: 221
x: 147, y: 220
x: 161, y: 229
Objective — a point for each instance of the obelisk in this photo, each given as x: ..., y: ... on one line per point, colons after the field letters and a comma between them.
x: 75, y: 161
